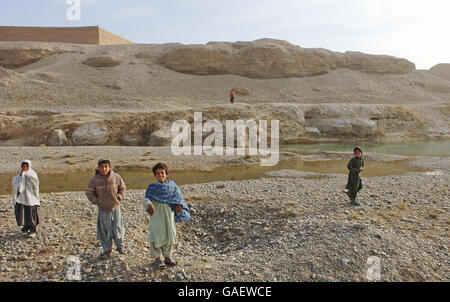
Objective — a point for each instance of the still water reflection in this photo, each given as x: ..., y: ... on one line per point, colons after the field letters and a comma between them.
x: 78, y: 181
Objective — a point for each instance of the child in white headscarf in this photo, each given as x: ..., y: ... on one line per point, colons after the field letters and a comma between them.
x: 27, y: 206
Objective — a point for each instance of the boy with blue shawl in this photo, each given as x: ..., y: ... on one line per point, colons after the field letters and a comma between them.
x: 164, y: 202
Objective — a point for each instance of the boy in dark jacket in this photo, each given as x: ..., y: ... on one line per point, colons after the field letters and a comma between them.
x: 354, y: 183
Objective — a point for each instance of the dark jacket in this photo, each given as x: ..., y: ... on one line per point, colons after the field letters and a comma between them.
x: 354, y: 183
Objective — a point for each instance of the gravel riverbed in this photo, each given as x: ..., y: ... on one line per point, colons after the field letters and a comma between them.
x: 291, y: 227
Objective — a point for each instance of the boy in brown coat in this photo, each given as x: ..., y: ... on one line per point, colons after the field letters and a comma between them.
x: 106, y: 190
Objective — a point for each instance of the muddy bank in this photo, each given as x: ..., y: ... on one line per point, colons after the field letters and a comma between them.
x: 54, y: 160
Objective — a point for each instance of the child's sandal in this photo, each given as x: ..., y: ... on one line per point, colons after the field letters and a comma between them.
x: 159, y: 264
x: 170, y: 263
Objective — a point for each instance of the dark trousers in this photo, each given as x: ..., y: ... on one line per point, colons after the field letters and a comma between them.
x: 353, y: 187
x: 28, y: 217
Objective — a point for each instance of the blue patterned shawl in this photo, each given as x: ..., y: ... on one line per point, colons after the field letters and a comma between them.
x: 170, y: 194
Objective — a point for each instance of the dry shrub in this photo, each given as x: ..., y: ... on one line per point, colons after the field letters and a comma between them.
x: 188, y: 197
x: 70, y: 161
x: 434, y: 215
x: 390, y: 215
x: 402, y: 205
x: 408, y: 115
x: 354, y: 216
x: 46, y: 250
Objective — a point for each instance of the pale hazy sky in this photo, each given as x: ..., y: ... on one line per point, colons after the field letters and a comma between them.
x: 416, y: 30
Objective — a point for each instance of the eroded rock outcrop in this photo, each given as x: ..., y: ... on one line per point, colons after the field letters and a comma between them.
x: 103, y: 61
x: 19, y: 57
x: 297, y: 123
x: 344, y: 126
x: 91, y: 133
x: 267, y: 59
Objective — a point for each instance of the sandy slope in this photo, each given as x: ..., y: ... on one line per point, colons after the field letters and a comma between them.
x: 441, y: 70
x: 57, y: 81
x: 62, y: 81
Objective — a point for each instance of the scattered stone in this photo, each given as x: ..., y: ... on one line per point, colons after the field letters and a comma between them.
x: 57, y: 138
x: 359, y: 226
x: 91, y: 133
x: 160, y: 138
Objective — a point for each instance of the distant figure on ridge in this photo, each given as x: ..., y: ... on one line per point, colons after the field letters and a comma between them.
x: 27, y: 206
x: 231, y: 97
x: 354, y: 183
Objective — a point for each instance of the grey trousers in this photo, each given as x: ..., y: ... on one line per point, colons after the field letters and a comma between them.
x: 110, y: 226
x: 156, y: 252
x: 27, y: 216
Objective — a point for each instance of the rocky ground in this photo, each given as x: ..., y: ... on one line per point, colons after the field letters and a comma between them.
x: 293, y: 227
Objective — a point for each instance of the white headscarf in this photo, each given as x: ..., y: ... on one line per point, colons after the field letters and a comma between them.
x: 26, y: 187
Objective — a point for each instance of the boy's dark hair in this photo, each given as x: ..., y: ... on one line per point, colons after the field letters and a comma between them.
x: 357, y: 148
x: 103, y: 161
x: 160, y: 166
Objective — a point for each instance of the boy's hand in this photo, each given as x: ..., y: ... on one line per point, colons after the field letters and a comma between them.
x: 178, y: 209
x: 151, y: 209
